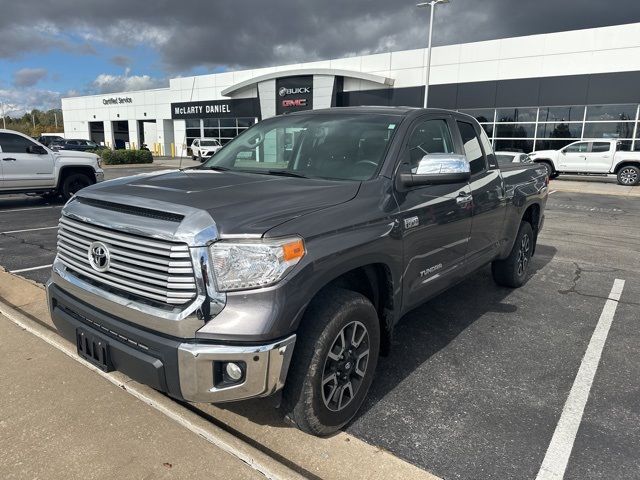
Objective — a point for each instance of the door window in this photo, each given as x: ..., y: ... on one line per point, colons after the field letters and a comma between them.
x: 11, y: 143
x: 600, y: 147
x: 580, y: 147
x: 472, y: 148
x: 430, y: 136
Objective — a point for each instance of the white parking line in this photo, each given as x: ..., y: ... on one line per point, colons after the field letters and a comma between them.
x: 552, y: 191
x: 29, y: 209
x: 30, y: 269
x: 28, y: 230
x: 557, y: 456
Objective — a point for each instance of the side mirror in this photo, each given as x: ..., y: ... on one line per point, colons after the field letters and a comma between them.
x: 563, y: 151
x: 36, y: 149
x: 438, y: 169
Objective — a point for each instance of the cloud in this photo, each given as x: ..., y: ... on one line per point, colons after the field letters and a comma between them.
x: 121, y: 60
x: 28, y: 77
x: 18, y: 101
x: 105, y: 83
x: 191, y: 34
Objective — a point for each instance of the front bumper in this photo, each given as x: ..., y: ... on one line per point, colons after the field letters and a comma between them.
x: 183, y: 369
x: 99, y: 176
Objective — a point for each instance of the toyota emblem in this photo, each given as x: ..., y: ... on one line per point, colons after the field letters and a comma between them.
x: 99, y: 257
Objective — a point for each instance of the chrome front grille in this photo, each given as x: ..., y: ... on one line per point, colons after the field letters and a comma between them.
x: 152, y: 269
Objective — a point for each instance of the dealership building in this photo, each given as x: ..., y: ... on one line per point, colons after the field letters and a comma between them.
x: 529, y: 93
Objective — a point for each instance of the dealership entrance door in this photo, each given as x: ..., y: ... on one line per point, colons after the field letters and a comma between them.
x: 96, y: 132
x: 120, y: 134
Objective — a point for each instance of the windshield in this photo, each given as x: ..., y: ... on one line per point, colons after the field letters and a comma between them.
x: 333, y: 146
x: 208, y: 143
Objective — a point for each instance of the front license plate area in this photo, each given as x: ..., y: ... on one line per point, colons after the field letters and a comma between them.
x: 93, y: 349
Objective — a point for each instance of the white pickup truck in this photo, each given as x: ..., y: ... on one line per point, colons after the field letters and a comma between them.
x: 27, y: 166
x: 597, y: 156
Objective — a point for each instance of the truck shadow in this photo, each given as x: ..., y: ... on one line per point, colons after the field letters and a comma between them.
x: 420, y: 334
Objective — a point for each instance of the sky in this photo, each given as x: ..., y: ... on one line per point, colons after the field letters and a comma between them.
x: 50, y: 50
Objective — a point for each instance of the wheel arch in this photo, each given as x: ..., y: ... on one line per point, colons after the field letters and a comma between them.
x: 626, y: 163
x: 67, y: 170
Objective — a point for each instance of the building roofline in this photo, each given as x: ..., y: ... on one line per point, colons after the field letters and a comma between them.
x: 309, y: 71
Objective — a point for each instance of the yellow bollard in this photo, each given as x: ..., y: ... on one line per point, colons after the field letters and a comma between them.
x: 173, y: 150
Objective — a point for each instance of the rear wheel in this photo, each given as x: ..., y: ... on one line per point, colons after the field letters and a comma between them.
x: 334, y: 361
x: 629, y: 175
x: 512, y: 271
x: 73, y: 183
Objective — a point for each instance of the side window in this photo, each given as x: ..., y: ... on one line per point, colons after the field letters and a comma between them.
x: 488, y: 149
x: 472, y: 148
x: 430, y: 136
x: 580, y: 147
x: 599, y: 147
x: 11, y: 143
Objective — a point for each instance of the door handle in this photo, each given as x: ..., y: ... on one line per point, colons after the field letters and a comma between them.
x: 464, y: 198
x: 9, y: 159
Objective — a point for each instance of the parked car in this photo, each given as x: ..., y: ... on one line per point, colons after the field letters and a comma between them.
x: 204, y: 148
x: 597, y: 156
x: 29, y: 167
x: 77, y: 144
x: 232, y: 280
x: 506, y: 158
x: 47, y: 139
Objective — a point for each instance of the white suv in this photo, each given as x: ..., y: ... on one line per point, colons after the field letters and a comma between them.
x: 204, y: 148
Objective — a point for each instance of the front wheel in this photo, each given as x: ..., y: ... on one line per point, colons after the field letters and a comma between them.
x: 73, y: 184
x: 334, y: 361
x: 629, y: 176
x: 512, y: 271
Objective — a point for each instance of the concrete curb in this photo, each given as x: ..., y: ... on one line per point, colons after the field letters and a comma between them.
x: 254, y: 458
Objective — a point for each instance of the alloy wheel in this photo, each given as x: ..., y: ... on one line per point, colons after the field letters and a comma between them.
x: 345, y: 366
x: 628, y: 176
x: 523, y: 254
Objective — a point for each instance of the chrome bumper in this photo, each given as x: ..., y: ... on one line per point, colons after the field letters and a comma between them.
x: 99, y: 176
x: 265, y: 373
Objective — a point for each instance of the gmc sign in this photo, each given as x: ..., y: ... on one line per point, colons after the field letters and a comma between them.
x: 294, y: 94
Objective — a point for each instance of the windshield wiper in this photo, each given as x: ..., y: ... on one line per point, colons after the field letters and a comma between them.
x: 286, y: 173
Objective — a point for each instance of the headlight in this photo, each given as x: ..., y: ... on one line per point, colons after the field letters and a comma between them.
x: 245, y: 264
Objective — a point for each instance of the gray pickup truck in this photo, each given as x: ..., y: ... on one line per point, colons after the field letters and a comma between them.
x: 286, y: 260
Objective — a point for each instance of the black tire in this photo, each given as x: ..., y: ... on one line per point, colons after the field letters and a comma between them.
x: 550, y: 170
x: 629, y: 175
x: 73, y: 183
x: 200, y: 159
x: 512, y: 271
x: 316, y: 358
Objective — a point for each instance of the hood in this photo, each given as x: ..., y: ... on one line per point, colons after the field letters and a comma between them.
x: 541, y: 153
x: 239, y: 203
x: 75, y: 154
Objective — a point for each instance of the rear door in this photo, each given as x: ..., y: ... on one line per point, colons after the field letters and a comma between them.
x: 435, y: 224
x: 487, y: 190
x: 22, y: 169
x: 599, y: 157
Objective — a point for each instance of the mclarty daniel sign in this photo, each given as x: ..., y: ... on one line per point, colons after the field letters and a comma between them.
x: 117, y: 100
x: 237, y: 107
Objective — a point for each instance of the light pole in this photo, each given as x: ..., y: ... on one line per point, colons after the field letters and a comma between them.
x: 431, y: 4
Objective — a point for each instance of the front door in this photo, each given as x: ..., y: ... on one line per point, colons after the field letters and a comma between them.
x: 22, y: 169
x: 435, y: 220
x: 573, y: 157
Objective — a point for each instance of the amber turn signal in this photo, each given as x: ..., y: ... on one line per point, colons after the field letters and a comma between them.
x: 293, y: 250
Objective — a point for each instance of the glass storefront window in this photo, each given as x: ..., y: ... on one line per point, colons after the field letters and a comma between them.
x: 515, y: 130
x: 573, y: 113
x: 608, y: 130
x: 611, y: 112
x: 488, y: 128
x: 552, y: 144
x: 520, y: 114
x: 210, y: 123
x: 559, y: 130
x: 524, y: 146
x: 480, y: 114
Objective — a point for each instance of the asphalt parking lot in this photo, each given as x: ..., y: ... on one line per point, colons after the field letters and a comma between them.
x: 477, y: 380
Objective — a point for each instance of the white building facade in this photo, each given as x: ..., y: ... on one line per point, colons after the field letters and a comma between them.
x: 530, y: 93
